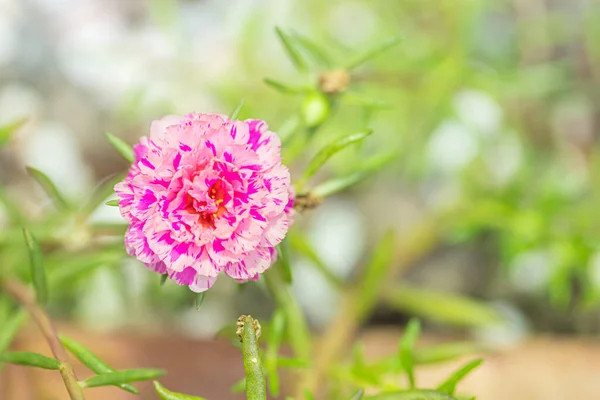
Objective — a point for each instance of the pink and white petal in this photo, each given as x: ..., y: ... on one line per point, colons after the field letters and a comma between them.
x: 158, y: 128
x: 137, y: 245
x: 184, y: 277
x: 275, y: 232
x: 256, y: 262
x: 182, y: 256
x: 202, y: 283
x: 159, y: 267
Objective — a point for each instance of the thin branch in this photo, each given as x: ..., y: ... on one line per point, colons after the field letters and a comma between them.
x: 22, y: 295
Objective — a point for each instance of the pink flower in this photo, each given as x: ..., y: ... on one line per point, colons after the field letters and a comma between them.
x: 206, y: 194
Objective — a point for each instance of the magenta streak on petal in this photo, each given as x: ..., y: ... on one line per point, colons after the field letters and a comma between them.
x: 254, y: 212
x: 148, y: 164
x: 218, y: 246
x: 185, y: 277
x: 185, y: 147
x: 228, y: 157
x: 177, y: 161
x: 211, y: 146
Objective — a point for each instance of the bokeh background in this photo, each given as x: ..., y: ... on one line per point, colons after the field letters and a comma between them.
x: 491, y: 108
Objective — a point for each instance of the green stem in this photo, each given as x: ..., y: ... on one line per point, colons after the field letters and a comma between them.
x: 256, y: 387
x: 297, y: 329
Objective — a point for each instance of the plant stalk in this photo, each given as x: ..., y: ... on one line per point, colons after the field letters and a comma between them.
x: 22, y: 296
x: 337, y: 338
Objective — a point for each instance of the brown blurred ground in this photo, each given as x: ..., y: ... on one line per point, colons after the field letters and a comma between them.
x: 543, y: 368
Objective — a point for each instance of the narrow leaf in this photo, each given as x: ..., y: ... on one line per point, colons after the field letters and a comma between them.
x: 293, y: 363
x: 449, y: 386
x: 446, y: 352
x: 281, y: 87
x: 376, y: 274
x: 336, y: 185
x: 284, y: 261
x: 92, y: 361
x: 10, y: 328
x: 122, y: 376
x: 123, y: 148
x: 239, y: 386
x: 163, y: 279
x: 113, y: 203
x: 414, y: 394
x: 441, y: 307
x: 374, y: 52
x: 358, y: 395
x: 6, y: 131
x: 165, y: 394
x: 314, y: 50
x: 300, y: 243
x: 407, y: 349
x: 328, y: 151
x: 237, y: 110
x: 44, y: 181
x: 38, y: 274
x: 291, y: 50
x: 30, y: 359
x: 101, y: 192
x: 199, y: 299
x: 276, y: 331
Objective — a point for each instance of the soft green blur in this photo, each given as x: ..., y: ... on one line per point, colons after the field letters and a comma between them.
x: 489, y: 109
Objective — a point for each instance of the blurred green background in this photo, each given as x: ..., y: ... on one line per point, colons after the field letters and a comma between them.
x: 490, y: 108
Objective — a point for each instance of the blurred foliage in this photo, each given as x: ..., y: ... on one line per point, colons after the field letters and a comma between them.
x: 489, y: 109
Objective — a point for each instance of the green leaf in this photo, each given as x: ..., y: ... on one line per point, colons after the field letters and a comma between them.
x: 237, y: 110
x: 122, y: 376
x: 415, y: 394
x: 102, y: 190
x: 328, y: 151
x: 276, y: 331
x: 123, y: 148
x: 336, y: 185
x: 449, y: 386
x: 44, y: 181
x: 315, y: 108
x: 358, y: 395
x: 113, y: 203
x: 284, y: 261
x: 38, y: 274
x: 256, y: 388
x: 239, y: 386
x: 199, y: 299
x: 291, y: 49
x: 163, y: 279
x: 314, y: 50
x: 6, y: 131
x: 446, y: 352
x: 374, y: 52
x: 293, y: 363
x: 375, y: 274
x: 92, y: 361
x: 10, y: 328
x: 30, y: 359
x: 407, y: 349
x: 76, y: 267
x: 299, y: 242
x: 281, y: 87
x: 165, y: 394
x: 440, y: 307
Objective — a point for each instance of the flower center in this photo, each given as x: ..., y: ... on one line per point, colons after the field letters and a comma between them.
x: 208, y: 210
